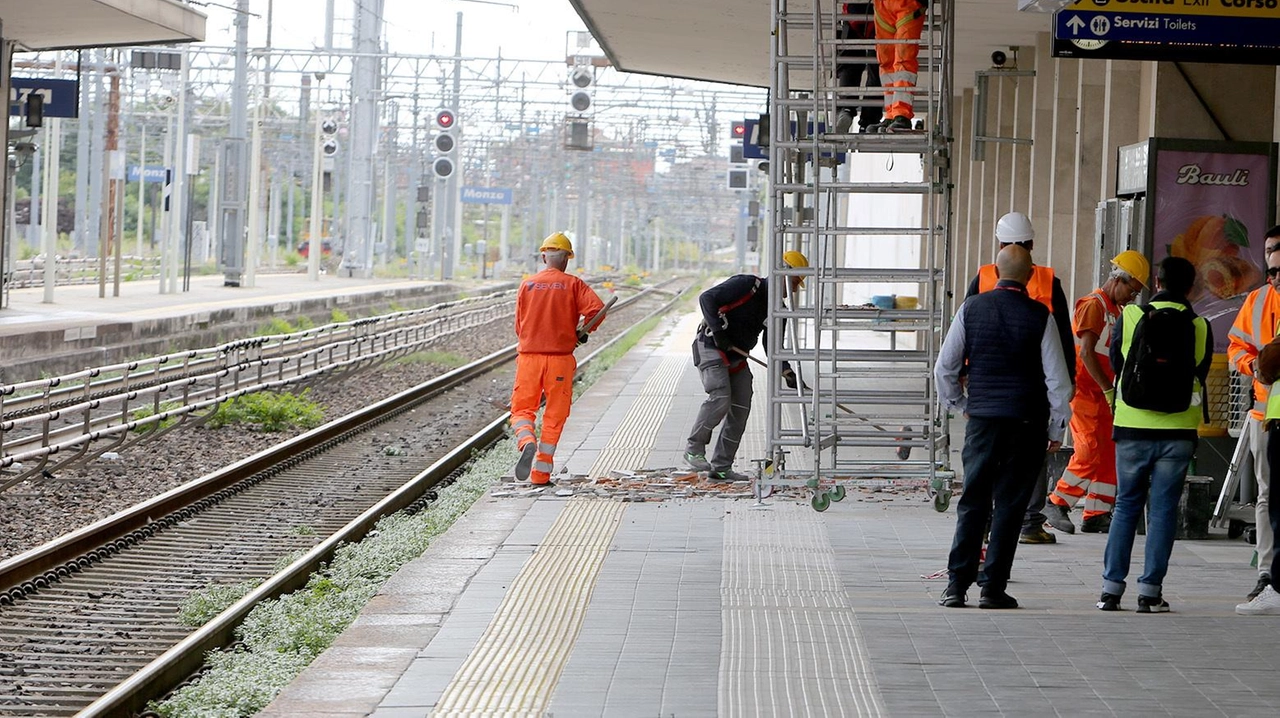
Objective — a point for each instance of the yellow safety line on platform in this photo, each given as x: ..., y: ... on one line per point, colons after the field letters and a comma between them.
x: 790, y: 644
x: 633, y: 440
x: 514, y: 668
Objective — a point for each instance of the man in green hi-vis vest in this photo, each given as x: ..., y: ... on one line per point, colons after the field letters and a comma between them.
x: 1167, y: 349
x: 1267, y: 371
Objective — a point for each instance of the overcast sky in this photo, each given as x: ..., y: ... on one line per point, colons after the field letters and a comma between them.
x: 535, y: 29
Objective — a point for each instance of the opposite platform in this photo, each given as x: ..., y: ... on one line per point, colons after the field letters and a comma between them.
x: 577, y: 605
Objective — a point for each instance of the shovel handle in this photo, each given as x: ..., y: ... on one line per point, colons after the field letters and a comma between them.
x: 599, y: 317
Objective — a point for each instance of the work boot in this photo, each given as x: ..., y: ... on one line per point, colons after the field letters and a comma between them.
x: 844, y: 121
x: 1109, y: 602
x: 1264, y: 580
x: 698, y: 462
x: 897, y: 124
x: 729, y: 476
x: 996, y: 600
x: 1266, y: 603
x: 525, y: 463
x: 1098, y: 524
x: 1059, y: 517
x: 1152, y: 604
x: 1036, y: 534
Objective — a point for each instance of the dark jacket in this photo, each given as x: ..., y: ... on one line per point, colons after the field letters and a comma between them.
x: 738, y: 306
x: 1003, y: 332
x: 1061, y: 319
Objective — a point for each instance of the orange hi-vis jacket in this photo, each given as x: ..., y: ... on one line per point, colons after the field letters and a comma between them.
x: 548, y: 307
x: 1254, y: 328
x: 1039, y: 287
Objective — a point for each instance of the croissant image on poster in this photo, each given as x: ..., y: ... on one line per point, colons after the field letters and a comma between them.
x: 1218, y: 245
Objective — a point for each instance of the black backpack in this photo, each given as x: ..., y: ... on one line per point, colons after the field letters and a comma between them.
x: 1160, y: 368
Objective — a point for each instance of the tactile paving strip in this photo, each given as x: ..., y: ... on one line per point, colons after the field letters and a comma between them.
x: 790, y: 644
x: 631, y: 444
x: 513, y: 670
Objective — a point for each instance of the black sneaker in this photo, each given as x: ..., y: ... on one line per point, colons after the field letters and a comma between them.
x: 1059, y: 517
x: 952, y: 597
x: 1099, y: 524
x: 1152, y: 604
x: 897, y: 124
x: 997, y: 600
x: 1036, y: 535
x: 1264, y: 580
x: 1109, y: 602
x: 525, y: 463
x: 729, y: 476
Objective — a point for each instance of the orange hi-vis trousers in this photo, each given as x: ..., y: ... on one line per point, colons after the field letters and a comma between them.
x: 539, y: 375
x: 1091, y: 473
x: 899, y: 63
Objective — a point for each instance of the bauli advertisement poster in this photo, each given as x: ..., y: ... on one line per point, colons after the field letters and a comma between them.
x: 1212, y: 208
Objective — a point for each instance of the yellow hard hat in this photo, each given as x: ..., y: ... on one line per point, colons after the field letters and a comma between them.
x: 557, y: 240
x: 795, y: 260
x: 1135, y: 264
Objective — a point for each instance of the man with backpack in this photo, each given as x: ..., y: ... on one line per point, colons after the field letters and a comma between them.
x: 1162, y: 360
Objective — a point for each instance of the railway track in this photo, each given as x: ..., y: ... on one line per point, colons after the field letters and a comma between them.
x: 90, y: 621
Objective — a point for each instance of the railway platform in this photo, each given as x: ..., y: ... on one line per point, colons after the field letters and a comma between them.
x: 633, y: 589
x: 80, y: 328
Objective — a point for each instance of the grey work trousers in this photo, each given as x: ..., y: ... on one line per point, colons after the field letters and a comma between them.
x: 728, y: 400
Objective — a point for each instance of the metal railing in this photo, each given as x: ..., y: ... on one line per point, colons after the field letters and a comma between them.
x: 27, y: 273
x: 49, y: 424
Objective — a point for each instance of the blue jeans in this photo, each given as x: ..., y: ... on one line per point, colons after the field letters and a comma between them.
x: 1145, y: 468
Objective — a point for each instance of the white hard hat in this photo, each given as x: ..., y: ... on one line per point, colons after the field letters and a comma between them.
x: 1014, y: 227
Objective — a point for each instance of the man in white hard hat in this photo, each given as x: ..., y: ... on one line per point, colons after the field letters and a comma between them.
x: 1044, y: 287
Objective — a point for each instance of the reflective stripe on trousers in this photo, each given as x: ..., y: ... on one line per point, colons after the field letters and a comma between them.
x: 899, y: 63
x: 539, y: 376
x: 1091, y: 472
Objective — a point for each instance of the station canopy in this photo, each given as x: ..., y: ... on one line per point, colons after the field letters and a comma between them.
x: 728, y: 40
x: 59, y: 24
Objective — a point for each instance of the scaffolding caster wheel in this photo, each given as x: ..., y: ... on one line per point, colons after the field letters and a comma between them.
x: 941, y: 492
x: 837, y: 493
x: 821, y: 501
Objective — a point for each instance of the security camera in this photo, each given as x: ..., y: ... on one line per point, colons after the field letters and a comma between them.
x: 998, y: 58
x: 25, y: 148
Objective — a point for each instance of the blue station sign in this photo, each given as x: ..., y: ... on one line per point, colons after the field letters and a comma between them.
x: 150, y: 173
x: 487, y: 195
x: 61, y: 97
x: 1166, y: 28
x: 1232, y: 31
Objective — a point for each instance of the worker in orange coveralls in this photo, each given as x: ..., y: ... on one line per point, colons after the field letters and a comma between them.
x: 1091, y: 473
x: 548, y: 308
x: 899, y: 63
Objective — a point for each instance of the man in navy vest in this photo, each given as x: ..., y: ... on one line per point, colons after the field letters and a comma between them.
x: 1017, y: 405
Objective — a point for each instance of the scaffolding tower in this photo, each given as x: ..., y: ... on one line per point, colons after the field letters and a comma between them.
x: 872, y: 213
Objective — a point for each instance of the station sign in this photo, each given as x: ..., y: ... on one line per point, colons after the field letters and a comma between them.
x: 487, y: 195
x: 1227, y: 31
x: 150, y: 173
x: 61, y: 97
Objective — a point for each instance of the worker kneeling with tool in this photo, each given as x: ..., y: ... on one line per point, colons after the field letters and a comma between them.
x: 548, y: 308
x: 733, y: 317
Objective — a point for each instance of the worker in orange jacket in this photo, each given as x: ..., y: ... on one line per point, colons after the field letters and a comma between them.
x: 1254, y: 328
x: 899, y: 62
x: 549, y: 306
x: 1044, y: 287
x: 1091, y: 472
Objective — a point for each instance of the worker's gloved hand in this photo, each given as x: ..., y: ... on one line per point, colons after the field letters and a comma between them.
x: 789, y: 376
x: 722, y: 341
x: 582, y: 337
